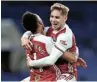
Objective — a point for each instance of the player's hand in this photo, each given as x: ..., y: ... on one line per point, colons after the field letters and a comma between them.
x: 27, y: 44
x: 28, y: 60
x: 81, y: 62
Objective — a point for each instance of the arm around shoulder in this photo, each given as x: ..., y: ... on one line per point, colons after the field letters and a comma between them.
x: 27, y: 34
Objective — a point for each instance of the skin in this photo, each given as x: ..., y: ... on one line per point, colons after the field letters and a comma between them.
x: 57, y: 20
x: 27, y: 44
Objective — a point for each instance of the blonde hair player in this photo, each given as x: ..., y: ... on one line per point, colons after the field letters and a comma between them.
x: 64, y: 44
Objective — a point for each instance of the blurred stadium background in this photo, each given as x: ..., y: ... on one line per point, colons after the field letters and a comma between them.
x: 82, y: 20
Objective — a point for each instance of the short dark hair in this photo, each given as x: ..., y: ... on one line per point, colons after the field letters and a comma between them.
x: 29, y: 21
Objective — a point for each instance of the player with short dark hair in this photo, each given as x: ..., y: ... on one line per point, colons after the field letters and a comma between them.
x: 42, y: 46
x: 64, y: 42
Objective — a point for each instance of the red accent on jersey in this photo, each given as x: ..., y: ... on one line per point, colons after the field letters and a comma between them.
x: 30, y: 53
x: 51, y: 34
x: 39, y: 49
x: 49, y: 31
x: 62, y: 63
x: 73, y: 48
x: 61, y: 31
x: 48, y: 73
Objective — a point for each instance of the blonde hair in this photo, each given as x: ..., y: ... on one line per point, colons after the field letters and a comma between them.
x: 64, y: 9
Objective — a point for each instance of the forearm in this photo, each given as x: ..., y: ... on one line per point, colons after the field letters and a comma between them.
x: 49, y: 60
x: 70, y: 57
x: 41, y: 62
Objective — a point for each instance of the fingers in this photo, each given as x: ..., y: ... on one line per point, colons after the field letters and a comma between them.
x: 29, y: 46
x: 28, y: 60
x: 26, y: 44
x: 84, y: 65
x: 81, y: 63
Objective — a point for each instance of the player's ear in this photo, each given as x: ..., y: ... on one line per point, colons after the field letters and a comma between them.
x: 65, y: 17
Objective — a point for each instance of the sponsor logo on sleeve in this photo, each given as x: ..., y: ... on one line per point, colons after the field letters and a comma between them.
x: 63, y: 42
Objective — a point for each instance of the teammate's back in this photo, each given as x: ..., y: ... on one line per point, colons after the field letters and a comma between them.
x: 42, y: 46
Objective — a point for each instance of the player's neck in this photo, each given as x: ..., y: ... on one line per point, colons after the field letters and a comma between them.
x: 61, y: 27
x: 39, y: 33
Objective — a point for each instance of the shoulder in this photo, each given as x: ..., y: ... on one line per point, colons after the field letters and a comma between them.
x: 65, y: 36
x: 46, y: 29
x: 64, y: 39
x: 43, y: 39
x: 68, y: 30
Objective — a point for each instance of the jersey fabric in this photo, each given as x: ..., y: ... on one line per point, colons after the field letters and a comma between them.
x: 64, y: 38
x: 41, y: 48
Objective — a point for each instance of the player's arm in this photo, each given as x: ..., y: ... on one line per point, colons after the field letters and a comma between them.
x: 57, y: 51
x: 74, y: 57
x: 81, y: 62
x: 71, y: 56
x: 28, y: 52
x: 27, y: 34
x: 25, y: 42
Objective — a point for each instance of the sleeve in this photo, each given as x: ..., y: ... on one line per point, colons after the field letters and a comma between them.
x: 64, y: 41
x: 49, y: 45
x: 47, y: 61
x: 45, y: 30
x: 62, y: 44
x: 27, y: 34
x: 77, y: 53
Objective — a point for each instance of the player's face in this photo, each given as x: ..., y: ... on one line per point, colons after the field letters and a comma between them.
x: 57, y: 19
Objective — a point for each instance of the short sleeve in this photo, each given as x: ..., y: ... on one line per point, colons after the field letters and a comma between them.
x: 27, y: 34
x: 64, y: 41
x: 45, y: 30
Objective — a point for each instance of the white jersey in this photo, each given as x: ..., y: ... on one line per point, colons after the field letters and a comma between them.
x: 44, y: 41
x: 64, y: 38
x: 42, y: 46
x: 64, y: 41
